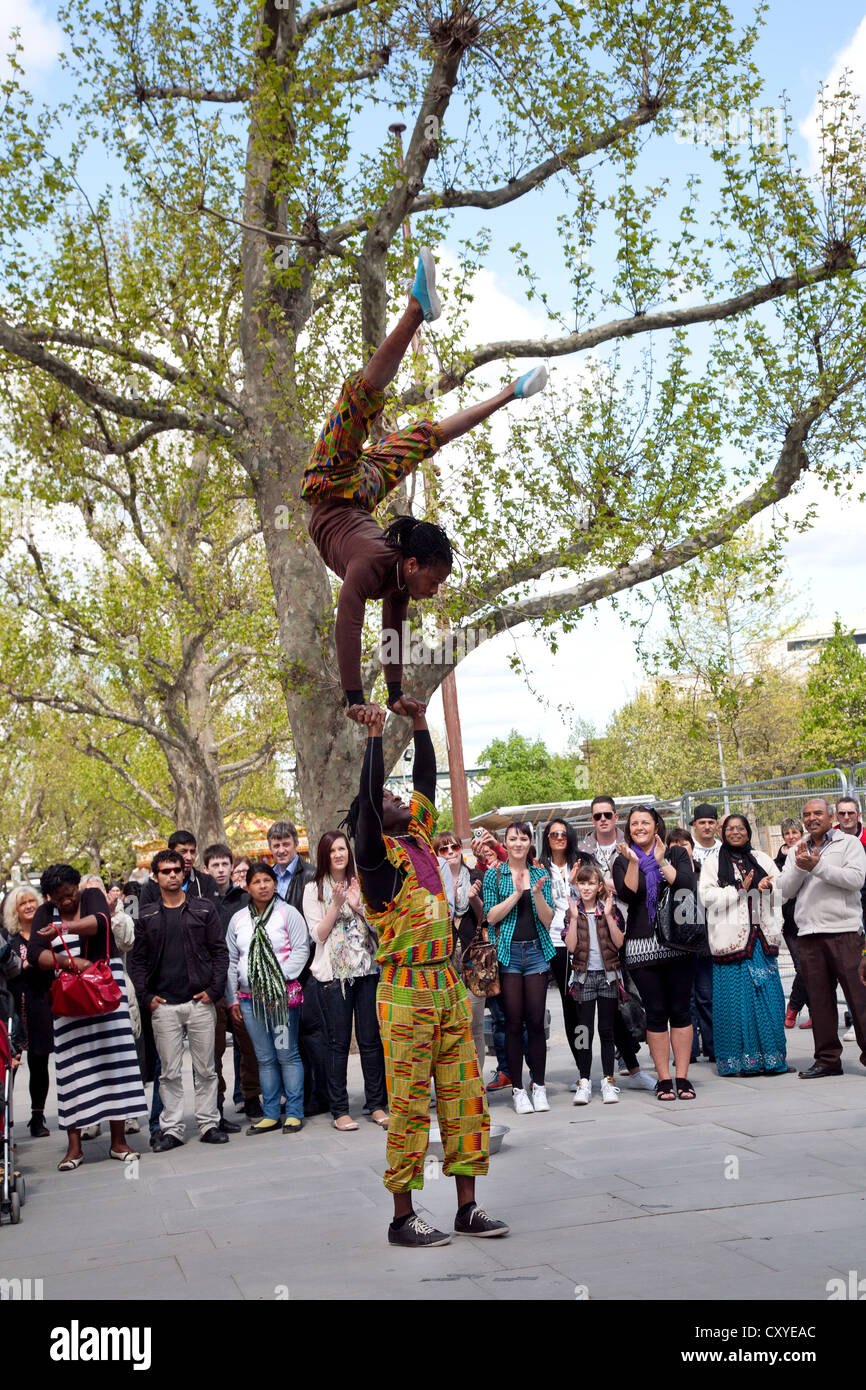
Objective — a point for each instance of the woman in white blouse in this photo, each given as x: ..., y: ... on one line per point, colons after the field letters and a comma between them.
x: 345, y: 967
x: 268, y: 948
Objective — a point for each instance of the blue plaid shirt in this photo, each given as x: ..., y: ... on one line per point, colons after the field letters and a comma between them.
x: 496, y: 893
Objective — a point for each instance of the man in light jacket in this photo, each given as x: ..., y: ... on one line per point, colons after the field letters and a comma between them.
x: 825, y: 872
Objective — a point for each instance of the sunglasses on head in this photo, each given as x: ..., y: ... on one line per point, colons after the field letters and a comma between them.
x: 603, y: 815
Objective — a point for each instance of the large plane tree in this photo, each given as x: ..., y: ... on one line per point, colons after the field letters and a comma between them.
x: 202, y: 242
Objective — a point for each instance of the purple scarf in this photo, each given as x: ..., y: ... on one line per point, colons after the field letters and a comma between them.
x: 653, y: 876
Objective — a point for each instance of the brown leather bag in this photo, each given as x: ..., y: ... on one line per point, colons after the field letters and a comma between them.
x: 481, y: 966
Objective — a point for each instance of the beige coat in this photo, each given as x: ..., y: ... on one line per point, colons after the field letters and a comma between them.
x: 727, y: 909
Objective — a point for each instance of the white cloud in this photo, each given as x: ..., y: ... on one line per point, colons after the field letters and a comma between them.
x: 851, y: 59
x: 40, y: 36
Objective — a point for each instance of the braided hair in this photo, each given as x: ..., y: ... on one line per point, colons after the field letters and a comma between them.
x: 349, y: 823
x: 420, y: 540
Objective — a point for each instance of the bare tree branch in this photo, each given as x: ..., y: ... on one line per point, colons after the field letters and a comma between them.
x: 321, y: 13
x: 150, y: 800
x: 17, y: 345
x: 489, y: 198
x: 225, y: 96
x: 626, y: 328
x: 792, y: 463
x: 99, y: 710
x: 95, y: 342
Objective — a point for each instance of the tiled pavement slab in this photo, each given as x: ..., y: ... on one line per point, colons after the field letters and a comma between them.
x: 756, y: 1190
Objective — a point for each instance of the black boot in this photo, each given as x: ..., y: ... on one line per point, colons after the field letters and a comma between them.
x: 37, y: 1125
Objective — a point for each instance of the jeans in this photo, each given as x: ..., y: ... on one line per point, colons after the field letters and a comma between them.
x: 313, y: 1044
x: 359, y: 1002
x: 526, y: 958
x: 702, y: 1007
x: 281, y: 1070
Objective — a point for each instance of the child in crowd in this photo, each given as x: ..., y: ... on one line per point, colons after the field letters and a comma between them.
x: 593, y: 937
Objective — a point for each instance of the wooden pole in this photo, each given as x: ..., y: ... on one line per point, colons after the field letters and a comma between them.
x: 453, y: 736
x: 456, y: 768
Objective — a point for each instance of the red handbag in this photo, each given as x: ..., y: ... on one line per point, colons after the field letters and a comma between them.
x: 92, y: 993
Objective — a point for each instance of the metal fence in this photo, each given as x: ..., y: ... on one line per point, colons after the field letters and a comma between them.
x: 858, y: 782
x: 768, y: 803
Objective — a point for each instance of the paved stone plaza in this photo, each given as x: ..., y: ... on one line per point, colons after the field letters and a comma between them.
x: 756, y: 1190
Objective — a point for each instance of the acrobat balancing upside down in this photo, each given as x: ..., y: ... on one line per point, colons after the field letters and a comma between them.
x: 345, y: 482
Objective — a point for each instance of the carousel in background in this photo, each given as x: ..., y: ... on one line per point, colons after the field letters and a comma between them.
x: 247, y: 835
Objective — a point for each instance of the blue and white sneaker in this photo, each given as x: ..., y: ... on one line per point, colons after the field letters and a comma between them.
x: 530, y: 382
x: 424, y: 288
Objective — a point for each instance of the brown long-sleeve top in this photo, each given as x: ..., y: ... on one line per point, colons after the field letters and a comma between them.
x: 353, y: 545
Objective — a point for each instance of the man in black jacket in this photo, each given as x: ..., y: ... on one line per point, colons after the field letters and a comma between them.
x: 293, y: 875
x: 218, y: 861
x: 179, y: 967
x: 196, y: 883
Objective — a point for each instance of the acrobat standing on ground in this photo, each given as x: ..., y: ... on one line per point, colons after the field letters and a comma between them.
x: 422, y: 1007
x: 345, y: 483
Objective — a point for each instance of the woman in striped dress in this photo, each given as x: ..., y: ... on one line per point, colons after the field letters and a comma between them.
x: 97, y: 1070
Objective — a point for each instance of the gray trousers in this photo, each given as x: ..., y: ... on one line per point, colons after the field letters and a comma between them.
x: 197, y: 1020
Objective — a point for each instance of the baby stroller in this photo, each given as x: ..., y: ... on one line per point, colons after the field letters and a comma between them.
x: 12, y: 1186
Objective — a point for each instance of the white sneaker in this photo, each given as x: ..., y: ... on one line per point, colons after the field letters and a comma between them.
x: 584, y: 1093
x: 609, y: 1092
x: 522, y: 1103
x: 539, y: 1097
x: 531, y: 381
x: 91, y: 1131
x: 131, y: 1127
x: 850, y: 1036
x: 641, y: 1081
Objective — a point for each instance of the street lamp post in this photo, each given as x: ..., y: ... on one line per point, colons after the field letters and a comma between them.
x: 712, y: 715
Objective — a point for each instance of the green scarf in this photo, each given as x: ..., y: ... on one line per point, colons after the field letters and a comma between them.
x: 264, y: 975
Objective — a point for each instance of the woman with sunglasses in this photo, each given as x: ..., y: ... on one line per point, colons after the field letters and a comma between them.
x: 739, y: 887
x: 663, y: 976
x: 468, y: 911
x: 561, y: 858
x: 601, y: 846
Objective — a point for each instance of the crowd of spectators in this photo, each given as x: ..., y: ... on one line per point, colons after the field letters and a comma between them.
x: 279, y: 957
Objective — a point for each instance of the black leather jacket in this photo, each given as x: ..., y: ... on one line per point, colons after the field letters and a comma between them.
x: 204, y: 948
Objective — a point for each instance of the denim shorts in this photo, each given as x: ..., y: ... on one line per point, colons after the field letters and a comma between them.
x: 527, y: 958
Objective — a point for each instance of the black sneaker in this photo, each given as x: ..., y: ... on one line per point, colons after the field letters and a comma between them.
x: 163, y: 1142
x: 415, y: 1232
x: 253, y: 1109
x: 477, y: 1223
x: 214, y: 1136
x: 228, y: 1126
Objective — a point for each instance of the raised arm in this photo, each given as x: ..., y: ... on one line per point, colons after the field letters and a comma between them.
x: 369, y: 845
x: 380, y: 880
x: 424, y: 768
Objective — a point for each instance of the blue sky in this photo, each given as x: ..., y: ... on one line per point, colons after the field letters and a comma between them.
x: 801, y: 45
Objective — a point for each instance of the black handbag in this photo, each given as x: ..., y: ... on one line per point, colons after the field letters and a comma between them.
x: 632, y: 1011
x: 678, y: 923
